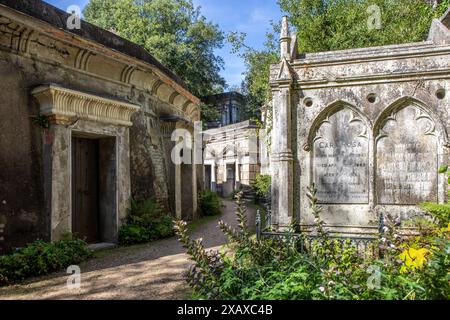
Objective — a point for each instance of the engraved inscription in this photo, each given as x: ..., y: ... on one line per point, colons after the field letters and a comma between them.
x: 340, y: 159
x: 407, y: 159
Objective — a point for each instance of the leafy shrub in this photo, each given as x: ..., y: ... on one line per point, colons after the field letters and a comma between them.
x: 40, y: 258
x: 261, y: 185
x: 234, y: 193
x: 440, y: 211
x: 210, y: 203
x: 145, y: 222
x: 278, y: 269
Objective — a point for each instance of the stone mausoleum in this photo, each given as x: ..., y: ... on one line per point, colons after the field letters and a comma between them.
x: 86, y: 124
x: 231, y: 155
x: 369, y: 127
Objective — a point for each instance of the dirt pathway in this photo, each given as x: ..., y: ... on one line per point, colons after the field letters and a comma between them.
x: 151, y: 271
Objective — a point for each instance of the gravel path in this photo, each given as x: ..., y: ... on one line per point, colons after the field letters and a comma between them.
x: 145, y: 272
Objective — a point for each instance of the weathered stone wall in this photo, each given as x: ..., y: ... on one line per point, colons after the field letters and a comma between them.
x: 33, y: 53
x: 368, y: 126
x: 22, y: 211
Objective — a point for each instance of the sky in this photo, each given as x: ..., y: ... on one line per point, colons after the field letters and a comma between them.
x: 250, y: 16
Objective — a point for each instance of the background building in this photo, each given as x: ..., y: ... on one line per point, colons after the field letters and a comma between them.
x: 231, y: 159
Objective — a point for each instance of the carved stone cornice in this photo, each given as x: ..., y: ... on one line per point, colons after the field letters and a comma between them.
x: 33, y: 38
x: 63, y: 105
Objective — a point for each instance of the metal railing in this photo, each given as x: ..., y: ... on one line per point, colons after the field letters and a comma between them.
x: 305, y: 241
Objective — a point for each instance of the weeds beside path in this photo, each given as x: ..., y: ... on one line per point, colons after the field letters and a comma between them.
x: 150, y: 271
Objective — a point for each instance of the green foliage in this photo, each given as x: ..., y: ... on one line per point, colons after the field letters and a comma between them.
x: 261, y: 185
x: 209, y: 113
x: 40, y: 258
x: 439, y: 211
x: 276, y: 269
x: 324, y: 25
x: 145, y: 222
x: 210, y: 203
x: 174, y: 31
x: 41, y: 121
x: 256, y: 85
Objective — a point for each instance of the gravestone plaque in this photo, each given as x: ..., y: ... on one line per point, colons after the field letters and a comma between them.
x: 407, y: 158
x: 341, y: 159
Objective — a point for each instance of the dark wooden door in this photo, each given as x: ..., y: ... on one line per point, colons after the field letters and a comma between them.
x: 208, y: 177
x: 85, y: 186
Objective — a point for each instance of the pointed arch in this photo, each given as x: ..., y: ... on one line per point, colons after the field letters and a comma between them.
x: 339, y: 145
x: 331, y: 109
x: 408, y: 146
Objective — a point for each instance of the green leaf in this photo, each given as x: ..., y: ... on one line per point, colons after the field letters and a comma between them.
x: 443, y: 169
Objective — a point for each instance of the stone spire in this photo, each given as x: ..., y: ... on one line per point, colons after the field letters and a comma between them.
x: 285, y: 40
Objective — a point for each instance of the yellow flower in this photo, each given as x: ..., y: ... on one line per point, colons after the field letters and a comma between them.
x: 448, y: 228
x: 414, y: 259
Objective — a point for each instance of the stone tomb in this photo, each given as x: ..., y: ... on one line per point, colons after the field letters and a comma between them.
x: 367, y: 126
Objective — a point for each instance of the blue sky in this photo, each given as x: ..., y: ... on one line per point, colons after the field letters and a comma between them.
x: 250, y: 16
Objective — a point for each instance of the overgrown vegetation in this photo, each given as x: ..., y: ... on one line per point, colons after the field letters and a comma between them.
x: 173, y: 31
x: 261, y: 185
x: 41, y: 258
x: 210, y: 203
x: 400, y: 268
x: 209, y: 113
x: 324, y: 25
x: 145, y: 222
x: 41, y: 121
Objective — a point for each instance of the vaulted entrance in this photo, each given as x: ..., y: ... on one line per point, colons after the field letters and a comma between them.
x: 85, y: 189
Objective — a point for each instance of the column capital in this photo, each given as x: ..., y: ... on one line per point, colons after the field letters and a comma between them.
x: 62, y: 104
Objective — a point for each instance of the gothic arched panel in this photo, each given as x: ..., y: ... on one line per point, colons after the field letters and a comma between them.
x: 407, y: 157
x: 341, y: 158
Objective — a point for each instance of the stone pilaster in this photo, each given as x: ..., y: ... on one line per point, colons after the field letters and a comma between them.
x: 282, y: 158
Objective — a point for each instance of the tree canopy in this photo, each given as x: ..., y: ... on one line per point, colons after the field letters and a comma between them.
x: 173, y: 31
x: 324, y: 25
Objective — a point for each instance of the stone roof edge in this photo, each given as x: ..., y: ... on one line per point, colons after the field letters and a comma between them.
x: 248, y: 124
x: 372, y: 53
x: 151, y: 63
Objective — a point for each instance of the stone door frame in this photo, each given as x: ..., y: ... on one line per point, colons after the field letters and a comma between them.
x: 76, y: 113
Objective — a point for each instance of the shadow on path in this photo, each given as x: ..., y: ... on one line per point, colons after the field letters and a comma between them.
x: 150, y: 271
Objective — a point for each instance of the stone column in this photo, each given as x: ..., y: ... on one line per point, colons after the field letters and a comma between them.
x: 178, y: 198
x: 195, y: 161
x: 224, y: 168
x: 178, y: 191
x: 57, y: 173
x: 236, y: 173
x: 282, y: 158
x: 213, y: 178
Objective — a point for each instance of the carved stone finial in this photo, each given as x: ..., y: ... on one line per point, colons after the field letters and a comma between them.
x: 284, y: 28
x: 285, y: 40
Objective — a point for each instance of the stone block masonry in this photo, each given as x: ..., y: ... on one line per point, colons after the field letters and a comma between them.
x: 368, y: 126
x: 83, y: 128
